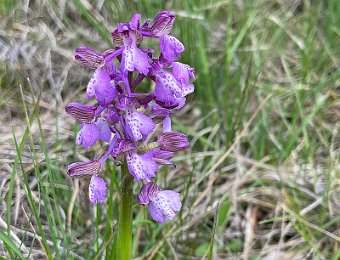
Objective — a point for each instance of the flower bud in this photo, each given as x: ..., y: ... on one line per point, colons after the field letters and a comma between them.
x: 173, y: 141
x: 162, y: 24
x: 82, y: 113
x: 83, y: 168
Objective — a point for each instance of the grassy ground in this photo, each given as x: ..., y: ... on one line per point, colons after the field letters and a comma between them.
x: 263, y: 124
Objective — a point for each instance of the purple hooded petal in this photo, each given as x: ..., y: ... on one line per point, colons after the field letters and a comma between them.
x: 82, y: 113
x: 167, y: 91
x: 147, y: 193
x: 88, y: 135
x: 142, y: 167
x: 165, y: 203
x: 171, y: 48
x: 138, y: 125
x: 162, y: 24
x: 89, y: 57
x: 135, y: 59
x: 173, y: 141
x: 105, y: 131
x: 97, y: 190
x: 83, y: 168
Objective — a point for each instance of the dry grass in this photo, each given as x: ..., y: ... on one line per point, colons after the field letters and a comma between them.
x: 265, y: 137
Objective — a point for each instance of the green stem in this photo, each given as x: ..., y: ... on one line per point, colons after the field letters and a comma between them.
x: 125, y: 216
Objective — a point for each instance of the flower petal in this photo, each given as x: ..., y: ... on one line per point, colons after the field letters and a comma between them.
x: 100, y: 85
x: 83, y: 168
x: 88, y: 135
x: 167, y: 91
x: 156, y: 213
x: 138, y: 125
x: 89, y: 57
x: 147, y: 193
x: 83, y: 113
x: 167, y: 202
x: 142, y: 167
x: 135, y: 59
x: 162, y: 24
x: 97, y: 190
x: 105, y: 131
x: 173, y: 141
x: 171, y: 48
x: 182, y: 72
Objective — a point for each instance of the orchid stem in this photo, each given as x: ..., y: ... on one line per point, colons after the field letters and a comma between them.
x: 125, y: 216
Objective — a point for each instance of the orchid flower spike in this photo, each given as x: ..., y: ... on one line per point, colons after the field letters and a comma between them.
x: 122, y: 118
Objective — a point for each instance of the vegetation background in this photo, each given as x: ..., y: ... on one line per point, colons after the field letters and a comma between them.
x: 261, y: 179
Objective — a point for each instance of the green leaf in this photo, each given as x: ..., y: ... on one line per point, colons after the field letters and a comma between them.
x: 10, y: 243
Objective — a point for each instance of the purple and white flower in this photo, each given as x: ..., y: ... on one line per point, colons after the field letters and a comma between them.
x: 163, y: 204
x: 124, y: 117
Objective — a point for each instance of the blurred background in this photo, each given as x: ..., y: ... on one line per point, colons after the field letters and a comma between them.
x: 261, y: 179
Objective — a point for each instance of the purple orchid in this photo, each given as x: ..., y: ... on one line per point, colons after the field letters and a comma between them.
x: 163, y: 204
x: 125, y: 119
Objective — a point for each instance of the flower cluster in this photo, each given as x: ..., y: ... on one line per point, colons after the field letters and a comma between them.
x: 124, y: 118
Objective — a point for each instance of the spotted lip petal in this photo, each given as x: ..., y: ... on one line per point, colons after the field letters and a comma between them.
x: 183, y: 72
x: 135, y: 59
x: 171, y: 48
x: 173, y: 141
x: 138, y: 125
x: 167, y: 91
x: 142, y: 167
x: 164, y: 205
x: 97, y: 190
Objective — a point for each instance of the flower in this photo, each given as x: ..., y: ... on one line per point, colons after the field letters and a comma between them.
x: 83, y: 168
x: 83, y: 113
x: 128, y: 36
x: 97, y: 189
x: 125, y: 117
x: 141, y: 167
x: 100, y: 85
x: 167, y: 92
x: 173, y: 141
x: 89, y: 134
x: 162, y: 24
x: 163, y: 204
x: 89, y: 57
x: 138, y: 125
x: 171, y: 48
